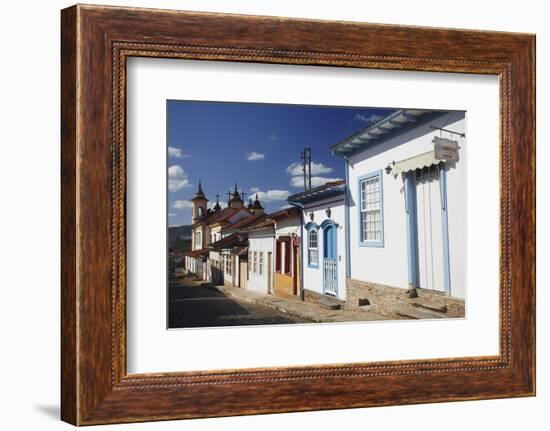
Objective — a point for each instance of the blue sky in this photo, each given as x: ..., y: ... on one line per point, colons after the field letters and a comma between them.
x: 254, y: 145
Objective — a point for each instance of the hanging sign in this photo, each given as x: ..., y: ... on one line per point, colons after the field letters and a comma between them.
x: 445, y: 149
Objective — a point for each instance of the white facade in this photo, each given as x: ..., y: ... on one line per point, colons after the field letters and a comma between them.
x: 195, y: 266
x: 315, y: 273
x: 385, y: 259
x: 261, y: 254
x: 230, y: 268
x: 215, y: 233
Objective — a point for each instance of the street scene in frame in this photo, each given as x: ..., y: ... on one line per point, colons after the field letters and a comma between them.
x: 283, y: 214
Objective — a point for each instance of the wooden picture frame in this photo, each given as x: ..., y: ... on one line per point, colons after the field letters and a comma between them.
x: 95, y: 43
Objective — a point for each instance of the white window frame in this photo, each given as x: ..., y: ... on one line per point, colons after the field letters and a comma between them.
x: 261, y: 263
x: 198, y: 240
x: 369, y: 217
x: 311, y: 249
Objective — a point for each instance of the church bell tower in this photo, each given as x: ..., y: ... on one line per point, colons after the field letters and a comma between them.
x: 199, y: 202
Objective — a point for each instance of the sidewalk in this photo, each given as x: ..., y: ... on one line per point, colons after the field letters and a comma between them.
x: 305, y: 310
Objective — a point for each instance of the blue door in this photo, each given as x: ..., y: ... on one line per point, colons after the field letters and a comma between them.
x: 330, y: 269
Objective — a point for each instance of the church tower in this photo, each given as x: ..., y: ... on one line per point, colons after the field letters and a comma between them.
x: 199, y: 202
x: 257, y: 207
x: 235, y: 200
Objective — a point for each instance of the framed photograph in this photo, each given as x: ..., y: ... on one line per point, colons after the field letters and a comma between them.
x: 263, y: 214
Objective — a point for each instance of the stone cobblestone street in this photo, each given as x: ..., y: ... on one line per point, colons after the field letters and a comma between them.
x: 192, y: 305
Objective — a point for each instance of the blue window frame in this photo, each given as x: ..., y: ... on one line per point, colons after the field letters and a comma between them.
x: 312, y: 245
x: 371, y: 210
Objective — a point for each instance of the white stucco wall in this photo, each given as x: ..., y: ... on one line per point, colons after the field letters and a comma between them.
x: 230, y: 279
x: 288, y: 227
x: 313, y: 277
x: 261, y: 242
x: 388, y: 264
x: 204, y: 239
x: 215, y: 233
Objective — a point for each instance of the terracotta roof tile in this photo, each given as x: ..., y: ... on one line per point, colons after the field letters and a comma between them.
x: 285, y: 213
x: 245, y: 222
x: 196, y: 253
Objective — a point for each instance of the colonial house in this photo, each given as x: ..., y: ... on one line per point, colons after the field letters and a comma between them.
x: 287, y: 230
x: 261, y: 246
x: 405, y: 214
x: 232, y: 250
x: 323, y: 252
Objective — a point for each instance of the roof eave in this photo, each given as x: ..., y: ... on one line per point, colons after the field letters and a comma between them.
x: 390, y: 126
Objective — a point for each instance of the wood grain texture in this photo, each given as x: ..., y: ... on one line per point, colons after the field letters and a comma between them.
x: 96, y: 41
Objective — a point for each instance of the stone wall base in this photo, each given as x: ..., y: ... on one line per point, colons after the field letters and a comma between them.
x: 315, y: 297
x: 311, y: 296
x: 387, y: 300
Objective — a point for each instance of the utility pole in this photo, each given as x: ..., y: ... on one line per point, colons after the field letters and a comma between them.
x: 309, y: 165
x: 305, y: 155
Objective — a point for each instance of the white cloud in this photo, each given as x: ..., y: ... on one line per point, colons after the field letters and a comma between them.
x: 374, y: 118
x: 177, y: 178
x: 270, y: 195
x: 255, y: 156
x: 180, y: 204
x: 171, y: 214
x: 315, y: 181
x: 295, y: 169
x: 273, y: 137
x: 176, y: 153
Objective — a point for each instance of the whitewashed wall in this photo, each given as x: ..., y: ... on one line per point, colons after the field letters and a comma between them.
x: 313, y: 277
x: 260, y: 242
x: 230, y: 279
x: 388, y: 264
x: 215, y: 233
x: 288, y: 227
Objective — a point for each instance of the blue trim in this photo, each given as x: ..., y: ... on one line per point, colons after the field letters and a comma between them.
x: 346, y: 216
x: 380, y: 242
x: 445, y: 227
x: 330, y: 224
x: 309, y: 227
x: 412, y: 229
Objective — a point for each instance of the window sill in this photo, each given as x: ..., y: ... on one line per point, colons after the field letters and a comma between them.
x: 375, y: 244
